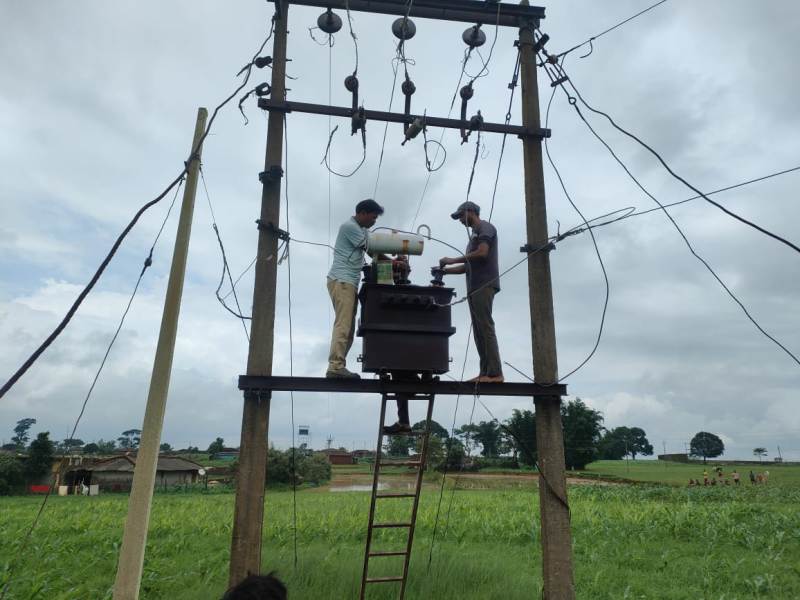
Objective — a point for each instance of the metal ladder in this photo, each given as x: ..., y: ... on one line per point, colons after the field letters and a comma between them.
x: 394, y: 497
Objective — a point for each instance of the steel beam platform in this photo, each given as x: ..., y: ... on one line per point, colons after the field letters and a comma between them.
x: 379, y: 115
x: 468, y: 11
x: 255, y: 383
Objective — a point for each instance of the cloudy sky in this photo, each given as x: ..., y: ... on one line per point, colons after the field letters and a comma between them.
x: 97, y: 108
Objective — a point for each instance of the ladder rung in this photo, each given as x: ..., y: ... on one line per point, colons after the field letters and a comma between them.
x: 386, y: 525
x: 390, y: 495
x: 412, y: 433
x: 399, y: 553
x: 404, y: 463
x: 382, y: 579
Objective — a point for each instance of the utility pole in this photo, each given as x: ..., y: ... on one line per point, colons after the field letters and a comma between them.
x: 554, y: 509
x: 131, y: 556
x: 664, y: 445
x: 248, y: 517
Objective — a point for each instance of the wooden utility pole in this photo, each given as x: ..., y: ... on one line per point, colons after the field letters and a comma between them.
x: 131, y: 556
x: 554, y: 510
x: 248, y: 517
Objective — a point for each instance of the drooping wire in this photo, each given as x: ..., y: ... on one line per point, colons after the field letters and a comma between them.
x: 148, y: 261
x: 474, y: 163
x: 681, y: 179
x: 602, y: 33
x: 242, y: 274
x: 594, y: 243
x: 357, y: 167
x: 635, y: 213
x: 352, y: 33
x: 95, y: 278
x: 484, y: 71
x: 512, y: 86
x: 225, y: 266
x: 573, y: 101
x: 291, y: 338
x: 395, y: 68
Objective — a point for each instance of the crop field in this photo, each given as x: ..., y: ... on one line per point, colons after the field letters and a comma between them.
x: 630, y: 541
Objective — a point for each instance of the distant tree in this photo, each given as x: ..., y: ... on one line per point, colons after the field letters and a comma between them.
x: 69, y: 445
x: 453, y: 457
x: 521, y: 436
x: 12, y: 476
x: 399, y: 445
x: 706, y: 445
x: 105, y: 447
x: 620, y: 441
x: 91, y: 448
x: 193, y: 450
x: 10, y: 447
x: 23, y: 426
x: 40, y: 457
x: 216, y: 446
x: 760, y: 453
x: 285, y: 466
x: 583, y: 427
x: 436, y: 429
x: 486, y: 433
x: 165, y: 447
x: 130, y: 439
x: 612, y: 445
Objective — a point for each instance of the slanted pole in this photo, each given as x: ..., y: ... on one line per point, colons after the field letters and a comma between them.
x: 556, y: 536
x: 131, y: 556
x: 248, y: 516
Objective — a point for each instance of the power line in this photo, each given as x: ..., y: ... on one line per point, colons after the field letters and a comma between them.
x: 148, y: 261
x: 574, y: 104
x: 95, y: 278
x: 602, y: 33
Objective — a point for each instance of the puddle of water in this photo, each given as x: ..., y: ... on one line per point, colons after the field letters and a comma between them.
x: 368, y: 487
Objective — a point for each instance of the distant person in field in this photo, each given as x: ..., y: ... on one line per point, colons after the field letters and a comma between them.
x: 752, y: 478
x: 766, y: 476
x: 258, y: 587
x: 735, y: 476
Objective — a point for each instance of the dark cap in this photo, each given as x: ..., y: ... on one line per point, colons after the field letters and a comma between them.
x: 465, y: 206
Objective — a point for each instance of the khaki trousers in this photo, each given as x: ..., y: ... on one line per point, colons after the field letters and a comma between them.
x: 480, y: 309
x: 344, y: 300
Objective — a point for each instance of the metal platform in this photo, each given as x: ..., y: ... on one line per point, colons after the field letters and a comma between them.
x: 384, y: 386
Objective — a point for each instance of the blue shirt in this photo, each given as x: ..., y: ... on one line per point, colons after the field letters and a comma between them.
x: 348, y: 253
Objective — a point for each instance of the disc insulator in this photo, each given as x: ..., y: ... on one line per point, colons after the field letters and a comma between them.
x: 404, y: 29
x: 329, y: 22
x: 474, y: 37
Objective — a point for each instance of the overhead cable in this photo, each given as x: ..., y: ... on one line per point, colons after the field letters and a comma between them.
x: 610, y: 29
x: 93, y: 281
x: 705, y: 263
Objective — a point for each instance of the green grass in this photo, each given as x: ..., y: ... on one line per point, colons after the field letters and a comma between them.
x: 643, y: 542
x: 679, y: 473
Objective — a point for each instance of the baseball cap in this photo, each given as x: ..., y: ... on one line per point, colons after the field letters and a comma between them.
x: 465, y: 206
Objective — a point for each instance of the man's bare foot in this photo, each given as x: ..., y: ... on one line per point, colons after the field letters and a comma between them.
x: 475, y: 379
x: 491, y: 379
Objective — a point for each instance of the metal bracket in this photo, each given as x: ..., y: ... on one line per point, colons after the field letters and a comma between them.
x: 274, y: 173
x: 257, y: 395
x: 272, y: 228
x: 528, y: 249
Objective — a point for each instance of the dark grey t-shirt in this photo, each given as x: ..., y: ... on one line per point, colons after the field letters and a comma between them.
x: 483, y: 271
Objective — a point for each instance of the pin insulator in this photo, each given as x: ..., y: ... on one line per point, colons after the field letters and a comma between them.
x: 408, y: 87
x: 262, y: 61
x: 263, y: 89
x: 466, y: 92
x: 351, y: 83
x: 474, y: 37
x: 329, y: 22
x: 404, y: 28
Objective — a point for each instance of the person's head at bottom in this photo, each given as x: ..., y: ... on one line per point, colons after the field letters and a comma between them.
x: 257, y: 587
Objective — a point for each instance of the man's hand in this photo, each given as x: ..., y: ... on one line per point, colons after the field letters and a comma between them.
x: 443, y: 262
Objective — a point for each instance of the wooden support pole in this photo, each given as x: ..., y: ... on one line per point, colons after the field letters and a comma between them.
x: 131, y: 556
x: 554, y: 510
x: 248, y: 517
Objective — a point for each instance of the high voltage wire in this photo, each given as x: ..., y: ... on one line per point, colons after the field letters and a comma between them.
x: 148, y: 261
x: 561, y: 74
x: 247, y: 70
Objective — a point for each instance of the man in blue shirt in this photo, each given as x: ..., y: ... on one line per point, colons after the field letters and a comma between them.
x: 343, y: 279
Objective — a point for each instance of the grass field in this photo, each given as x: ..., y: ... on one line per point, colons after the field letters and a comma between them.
x: 679, y: 473
x: 643, y: 542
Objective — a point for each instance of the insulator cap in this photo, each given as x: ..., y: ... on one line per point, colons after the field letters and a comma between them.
x: 351, y: 83
x: 404, y: 29
x: 466, y: 92
x: 262, y: 61
x: 408, y: 87
x: 329, y: 22
x: 474, y: 37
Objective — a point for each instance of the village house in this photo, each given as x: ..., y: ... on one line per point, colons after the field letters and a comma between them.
x: 116, y: 474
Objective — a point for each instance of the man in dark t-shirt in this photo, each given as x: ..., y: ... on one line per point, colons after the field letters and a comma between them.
x: 480, y: 265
